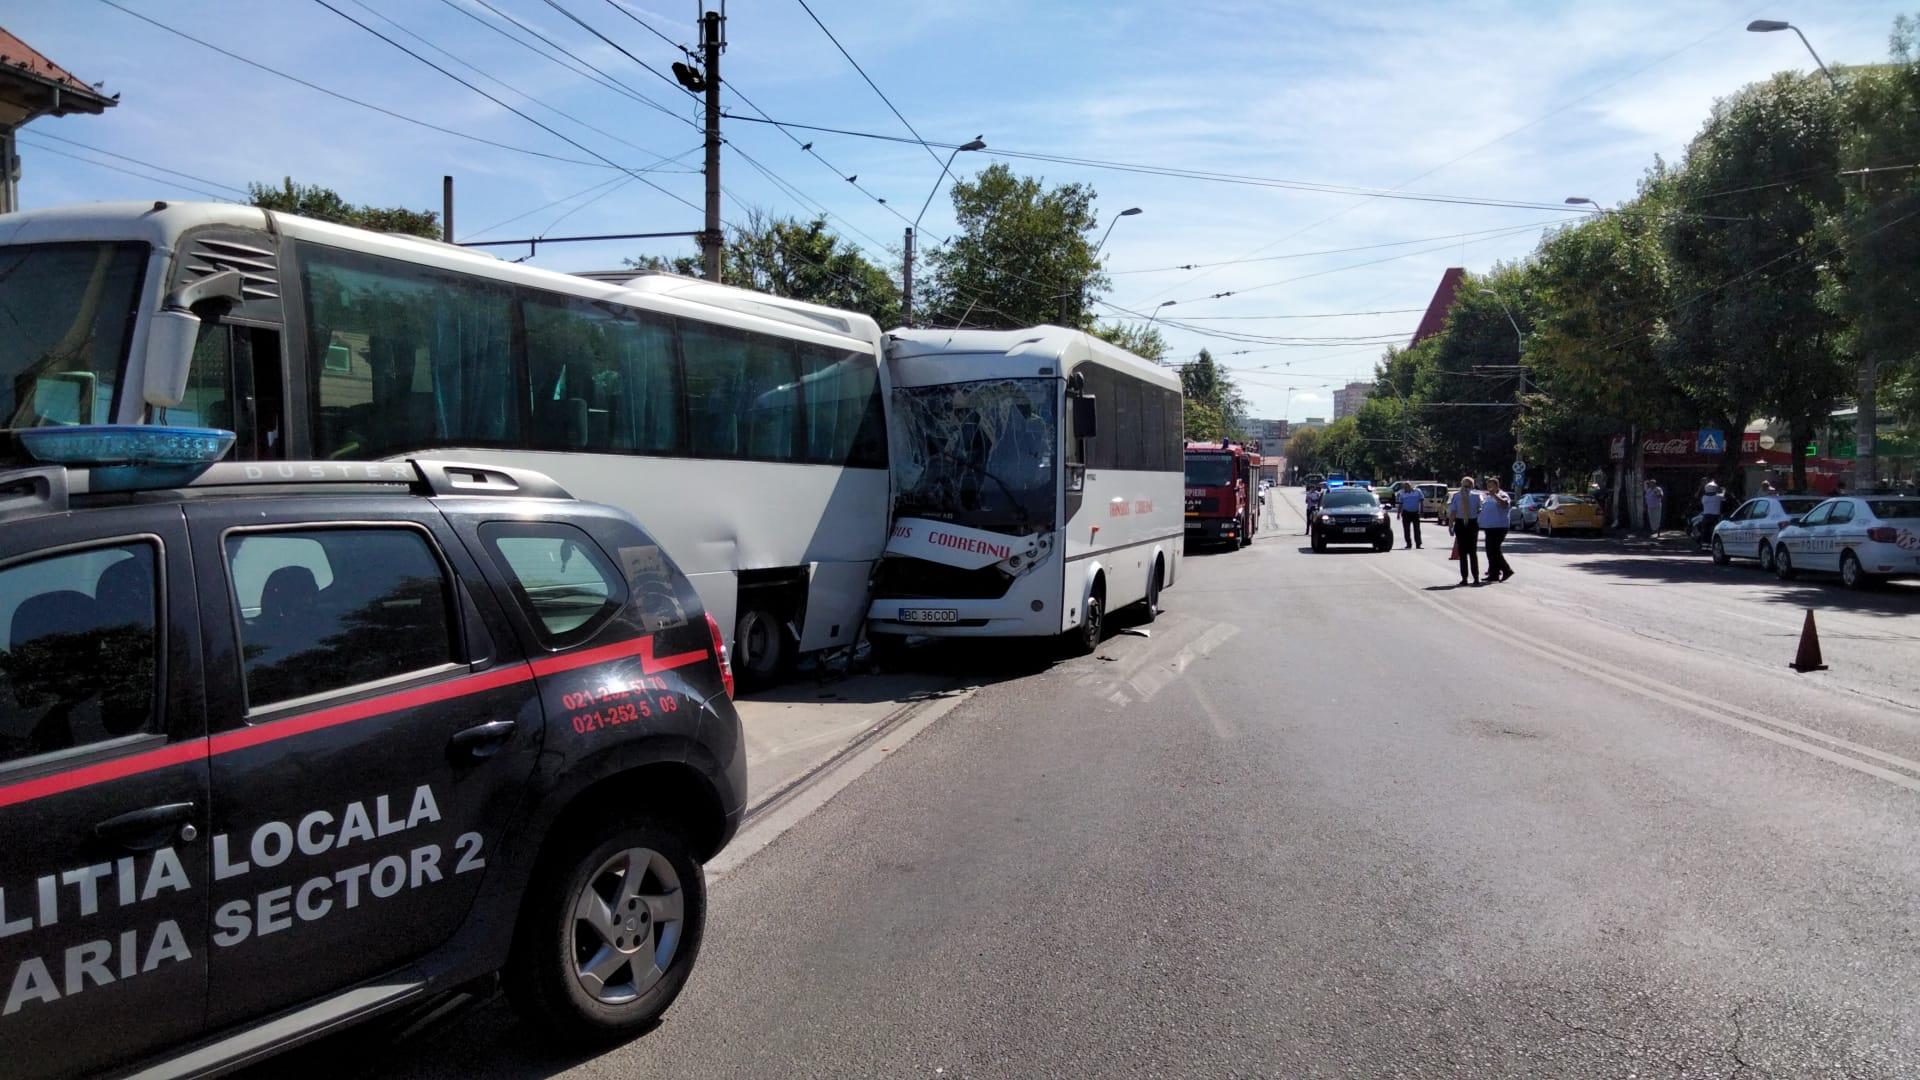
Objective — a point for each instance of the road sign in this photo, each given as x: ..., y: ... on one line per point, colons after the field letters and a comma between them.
x: 1710, y: 441
x: 1519, y: 465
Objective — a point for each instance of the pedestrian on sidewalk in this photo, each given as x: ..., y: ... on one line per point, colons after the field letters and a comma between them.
x: 1409, y: 500
x: 1464, y: 511
x: 1656, y: 499
x: 1495, y: 508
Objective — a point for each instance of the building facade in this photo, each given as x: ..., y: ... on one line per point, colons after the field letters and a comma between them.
x: 1348, y: 399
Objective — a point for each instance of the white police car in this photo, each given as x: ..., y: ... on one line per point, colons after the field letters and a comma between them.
x: 1865, y: 539
x: 284, y: 745
x: 1750, y: 531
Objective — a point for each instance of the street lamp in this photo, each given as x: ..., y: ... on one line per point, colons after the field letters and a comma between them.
x: 906, y: 263
x: 1128, y: 212
x: 1065, y: 313
x: 1582, y: 200
x: 1156, y: 310
x: 1768, y: 26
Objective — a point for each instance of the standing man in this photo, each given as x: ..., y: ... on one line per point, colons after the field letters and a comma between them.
x: 1495, y: 507
x: 1464, y: 510
x: 1409, y: 500
x: 1656, y: 498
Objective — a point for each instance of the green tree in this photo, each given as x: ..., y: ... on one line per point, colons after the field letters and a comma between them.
x: 1304, y: 451
x: 1144, y: 342
x: 325, y: 204
x: 1752, y: 334
x: 1215, y: 407
x: 1466, y: 375
x: 1022, y: 255
x: 799, y: 260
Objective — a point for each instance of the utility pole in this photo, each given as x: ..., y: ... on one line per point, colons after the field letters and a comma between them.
x: 906, y: 282
x: 446, y: 209
x: 712, y: 42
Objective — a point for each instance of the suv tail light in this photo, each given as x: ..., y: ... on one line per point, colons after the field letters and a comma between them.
x: 720, y: 655
x: 1883, y: 534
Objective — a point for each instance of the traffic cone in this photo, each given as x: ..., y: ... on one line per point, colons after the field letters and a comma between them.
x: 1808, y: 659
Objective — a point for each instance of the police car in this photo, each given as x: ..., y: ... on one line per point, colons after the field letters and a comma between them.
x: 286, y: 745
x: 1866, y: 539
x: 1749, y: 532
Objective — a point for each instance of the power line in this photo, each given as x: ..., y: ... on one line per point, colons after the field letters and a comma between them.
x: 1321, y: 315
x: 509, y: 86
x: 547, y: 206
x: 622, y: 9
x: 584, y: 25
x: 143, y: 164
x: 1337, y: 251
x: 592, y: 74
x: 863, y: 74
x: 45, y: 149
x: 544, y: 127
x: 1513, y: 231
x: 116, y: 5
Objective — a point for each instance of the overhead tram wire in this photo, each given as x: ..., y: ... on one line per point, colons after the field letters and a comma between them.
x: 231, y: 55
x: 1337, y: 251
x: 1311, y: 315
x: 509, y: 86
x: 27, y: 140
x: 37, y: 133
x: 544, y: 127
x: 621, y: 49
x: 591, y: 73
x: 1556, y: 110
x: 609, y: 182
x: 807, y: 148
x: 876, y: 86
x: 812, y: 205
x: 649, y: 27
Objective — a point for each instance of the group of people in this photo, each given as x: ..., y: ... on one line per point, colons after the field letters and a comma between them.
x: 1477, y: 511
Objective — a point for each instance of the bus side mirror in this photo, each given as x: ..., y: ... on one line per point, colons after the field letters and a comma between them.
x: 175, y: 332
x: 170, y: 356
x: 1085, y: 426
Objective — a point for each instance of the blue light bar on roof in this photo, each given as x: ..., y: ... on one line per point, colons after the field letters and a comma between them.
x: 126, y: 444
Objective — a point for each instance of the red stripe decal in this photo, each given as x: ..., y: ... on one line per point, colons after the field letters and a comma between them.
x: 333, y: 716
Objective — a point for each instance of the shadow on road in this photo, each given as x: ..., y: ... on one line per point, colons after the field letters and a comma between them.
x: 1820, y: 591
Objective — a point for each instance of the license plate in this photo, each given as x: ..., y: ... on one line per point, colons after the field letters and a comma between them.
x: 1354, y: 529
x: 929, y: 615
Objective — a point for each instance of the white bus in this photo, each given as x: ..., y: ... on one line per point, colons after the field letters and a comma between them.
x: 1038, y: 485
x: 748, y: 432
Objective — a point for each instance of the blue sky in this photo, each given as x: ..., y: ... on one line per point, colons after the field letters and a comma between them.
x: 1525, y: 101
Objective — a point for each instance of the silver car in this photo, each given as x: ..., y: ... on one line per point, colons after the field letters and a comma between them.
x: 1752, y: 531
x: 1864, y: 539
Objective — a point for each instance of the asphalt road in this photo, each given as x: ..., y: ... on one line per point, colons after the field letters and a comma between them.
x: 1336, y: 817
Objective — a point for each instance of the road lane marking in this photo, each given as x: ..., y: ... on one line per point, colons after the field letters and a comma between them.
x: 1719, y: 713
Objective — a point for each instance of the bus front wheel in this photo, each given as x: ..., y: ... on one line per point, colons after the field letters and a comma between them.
x: 1083, y: 639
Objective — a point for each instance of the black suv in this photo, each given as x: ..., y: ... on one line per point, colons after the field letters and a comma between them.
x: 283, y: 746
x: 1351, y: 515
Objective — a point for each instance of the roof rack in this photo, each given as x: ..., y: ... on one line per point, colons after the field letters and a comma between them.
x: 48, y: 489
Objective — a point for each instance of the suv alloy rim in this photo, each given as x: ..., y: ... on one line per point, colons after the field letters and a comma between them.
x: 626, y: 926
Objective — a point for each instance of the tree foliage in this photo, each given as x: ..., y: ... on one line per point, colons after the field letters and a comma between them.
x: 800, y: 260
x: 325, y: 204
x: 1023, y: 254
x: 1144, y: 342
x: 1215, y: 408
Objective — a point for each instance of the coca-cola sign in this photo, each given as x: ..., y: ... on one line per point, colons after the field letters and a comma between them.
x: 1684, y: 444
x: 1663, y: 446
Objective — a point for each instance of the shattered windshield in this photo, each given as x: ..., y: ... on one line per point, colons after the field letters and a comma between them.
x: 65, y: 314
x: 977, y: 453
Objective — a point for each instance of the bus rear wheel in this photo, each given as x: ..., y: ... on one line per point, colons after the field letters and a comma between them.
x: 761, y: 647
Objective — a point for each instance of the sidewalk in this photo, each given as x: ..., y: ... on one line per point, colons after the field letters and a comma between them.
x: 797, y: 729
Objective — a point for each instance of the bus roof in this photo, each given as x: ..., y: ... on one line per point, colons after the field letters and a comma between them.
x: 160, y: 224
x: 1045, y: 342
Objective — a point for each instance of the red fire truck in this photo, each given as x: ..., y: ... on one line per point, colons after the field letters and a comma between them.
x: 1223, y: 495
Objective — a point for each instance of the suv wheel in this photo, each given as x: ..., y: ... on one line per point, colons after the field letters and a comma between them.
x: 1783, y: 564
x: 1766, y: 556
x: 1319, y: 542
x: 609, y: 932
x: 1719, y: 553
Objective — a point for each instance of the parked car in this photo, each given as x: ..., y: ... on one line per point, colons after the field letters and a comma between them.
x: 318, y: 740
x: 1752, y: 529
x: 1433, y: 498
x: 1866, y: 539
x: 1351, y: 515
x: 1525, y: 513
x: 1566, y: 513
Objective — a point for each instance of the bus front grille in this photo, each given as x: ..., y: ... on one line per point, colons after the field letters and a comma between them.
x: 905, y: 578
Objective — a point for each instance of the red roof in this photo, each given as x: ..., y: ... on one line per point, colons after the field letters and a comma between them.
x: 1435, y: 320
x: 22, y: 67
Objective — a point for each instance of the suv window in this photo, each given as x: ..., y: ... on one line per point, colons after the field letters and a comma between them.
x: 79, y: 659
x: 322, y: 609
x: 561, y: 579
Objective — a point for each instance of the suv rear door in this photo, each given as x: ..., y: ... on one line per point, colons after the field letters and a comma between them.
x: 103, y: 791
x: 374, y: 726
